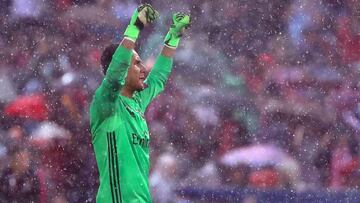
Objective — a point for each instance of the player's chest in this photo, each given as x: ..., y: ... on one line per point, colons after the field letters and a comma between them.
x: 132, y: 112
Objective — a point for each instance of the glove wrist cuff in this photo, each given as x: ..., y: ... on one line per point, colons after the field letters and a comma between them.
x: 172, y: 40
x: 132, y: 32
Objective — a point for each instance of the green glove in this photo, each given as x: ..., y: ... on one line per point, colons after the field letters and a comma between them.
x: 141, y: 17
x: 181, y: 21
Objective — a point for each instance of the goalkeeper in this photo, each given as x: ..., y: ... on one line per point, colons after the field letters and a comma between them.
x: 120, y: 135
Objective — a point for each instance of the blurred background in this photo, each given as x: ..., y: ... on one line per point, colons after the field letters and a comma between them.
x: 263, y: 104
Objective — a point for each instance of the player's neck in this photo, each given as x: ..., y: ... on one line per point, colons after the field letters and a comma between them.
x: 127, y: 92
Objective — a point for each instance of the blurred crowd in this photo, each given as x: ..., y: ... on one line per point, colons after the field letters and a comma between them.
x: 263, y: 94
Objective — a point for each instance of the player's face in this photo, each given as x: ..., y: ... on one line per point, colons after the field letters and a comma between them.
x: 136, y: 74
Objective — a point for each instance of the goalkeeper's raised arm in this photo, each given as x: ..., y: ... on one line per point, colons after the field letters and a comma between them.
x: 142, y: 16
x: 159, y: 74
x: 117, y: 60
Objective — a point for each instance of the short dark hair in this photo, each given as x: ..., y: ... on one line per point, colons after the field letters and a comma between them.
x: 107, y: 56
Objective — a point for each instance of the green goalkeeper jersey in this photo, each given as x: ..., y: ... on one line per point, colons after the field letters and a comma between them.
x: 120, y: 135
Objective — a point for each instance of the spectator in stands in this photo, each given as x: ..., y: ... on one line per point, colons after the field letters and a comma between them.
x: 19, y: 181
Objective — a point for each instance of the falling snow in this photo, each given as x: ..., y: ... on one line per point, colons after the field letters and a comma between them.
x: 263, y: 104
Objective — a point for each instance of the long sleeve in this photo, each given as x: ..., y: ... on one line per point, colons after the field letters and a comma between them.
x: 103, y: 103
x: 117, y: 71
x: 156, y: 80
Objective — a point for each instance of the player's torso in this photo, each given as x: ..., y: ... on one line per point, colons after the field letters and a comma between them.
x: 125, y: 138
x: 134, y: 122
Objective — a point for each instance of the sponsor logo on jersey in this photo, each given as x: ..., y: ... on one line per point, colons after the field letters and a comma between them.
x: 137, y: 140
